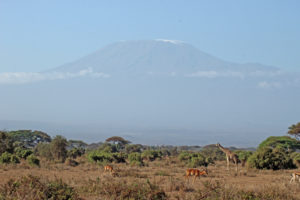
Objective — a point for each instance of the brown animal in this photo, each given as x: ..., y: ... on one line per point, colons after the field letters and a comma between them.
x: 108, y: 168
x: 195, y: 173
x: 295, y: 175
x: 230, y: 156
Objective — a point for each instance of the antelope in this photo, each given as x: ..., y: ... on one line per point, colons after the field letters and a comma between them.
x: 195, y: 173
x: 108, y: 168
x: 295, y: 175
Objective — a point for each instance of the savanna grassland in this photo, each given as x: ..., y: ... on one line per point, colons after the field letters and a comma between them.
x: 34, y: 166
x: 160, y: 179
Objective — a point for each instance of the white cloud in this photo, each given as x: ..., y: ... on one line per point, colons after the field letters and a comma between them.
x: 269, y: 85
x: 27, y: 77
x: 266, y: 73
x: 170, y: 41
x: 215, y: 74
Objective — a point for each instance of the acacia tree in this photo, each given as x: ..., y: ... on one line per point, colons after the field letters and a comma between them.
x: 119, y: 142
x: 294, y: 130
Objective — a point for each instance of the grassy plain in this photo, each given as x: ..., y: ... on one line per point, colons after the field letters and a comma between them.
x: 160, y: 179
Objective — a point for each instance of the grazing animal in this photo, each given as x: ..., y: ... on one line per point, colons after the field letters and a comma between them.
x: 195, y: 173
x: 230, y: 156
x: 108, y: 168
x: 295, y: 175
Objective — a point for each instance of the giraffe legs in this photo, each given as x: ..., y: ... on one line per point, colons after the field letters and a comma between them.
x: 227, y: 162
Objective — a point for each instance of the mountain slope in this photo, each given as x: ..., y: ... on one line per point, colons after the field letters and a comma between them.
x: 155, y: 56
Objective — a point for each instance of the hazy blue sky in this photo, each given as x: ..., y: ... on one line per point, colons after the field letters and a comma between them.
x: 37, y: 35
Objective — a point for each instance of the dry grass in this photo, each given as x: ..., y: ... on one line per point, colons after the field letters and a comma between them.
x: 162, y: 179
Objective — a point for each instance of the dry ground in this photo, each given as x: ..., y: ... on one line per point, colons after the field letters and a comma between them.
x: 167, y: 174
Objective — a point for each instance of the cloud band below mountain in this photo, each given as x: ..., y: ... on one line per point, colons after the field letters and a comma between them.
x: 27, y: 77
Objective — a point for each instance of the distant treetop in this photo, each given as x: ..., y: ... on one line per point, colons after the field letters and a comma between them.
x: 117, y: 139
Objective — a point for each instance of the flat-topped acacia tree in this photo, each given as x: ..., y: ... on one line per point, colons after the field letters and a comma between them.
x: 294, y: 130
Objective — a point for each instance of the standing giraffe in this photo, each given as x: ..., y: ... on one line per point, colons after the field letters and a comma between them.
x: 230, y: 156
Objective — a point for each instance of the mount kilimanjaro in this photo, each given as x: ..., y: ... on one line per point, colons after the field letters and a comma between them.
x: 156, y: 92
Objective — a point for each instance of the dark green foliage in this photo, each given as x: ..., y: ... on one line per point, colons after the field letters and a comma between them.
x: 33, y: 188
x: 103, y: 157
x: 294, y: 130
x: 135, y: 159
x: 100, y: 157
x: 23, y: 153
x: 107, y: 147
x: 151, y: 155
x: 75, y: 152
x: 193, y: 159
x: 29, y: 138
x: 130, y: 148
x: 285, y: 142
x: 6, y: 143
x: 33, y: 160
x: 8, y: 158
x: 296, y: 158
x: 58, y: 148
x: 268, y: 158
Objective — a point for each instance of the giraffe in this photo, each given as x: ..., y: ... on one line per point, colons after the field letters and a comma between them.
x: 230, y: 156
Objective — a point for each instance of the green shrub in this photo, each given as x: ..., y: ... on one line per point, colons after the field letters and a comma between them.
x: 151, y: 155
x: 135, y: 159
x: 23, y: 153
x: 296, y: 158
x: 100, y: 157
x: 268, y: 158
x: 243, y: 156
x: 284, y: 142
x: 194, y: 159
x: 7, y: 158
x: 75, y: 152
x: 32, y: 160
x: 43, y: 150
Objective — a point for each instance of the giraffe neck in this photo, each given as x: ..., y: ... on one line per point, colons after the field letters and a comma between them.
x: 224, y: 149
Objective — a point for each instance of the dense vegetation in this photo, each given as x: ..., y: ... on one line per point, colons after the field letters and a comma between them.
x: 274, y: 153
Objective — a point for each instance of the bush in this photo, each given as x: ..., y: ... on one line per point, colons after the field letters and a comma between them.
x: 6, y: 143
x: 284, y: 142
x: 58, y: 148
x: 296, y: 158
x: 135, y: 159
x: 7, y: 158
x: 43, y: 150
x: 75, y: 152
x: 194, y: 159
x: 32, y: 160
x: 33, y: 188
x: 267, y: 158
x: 100, y: 157
x: 151, y: 155
x: 23, y: 153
